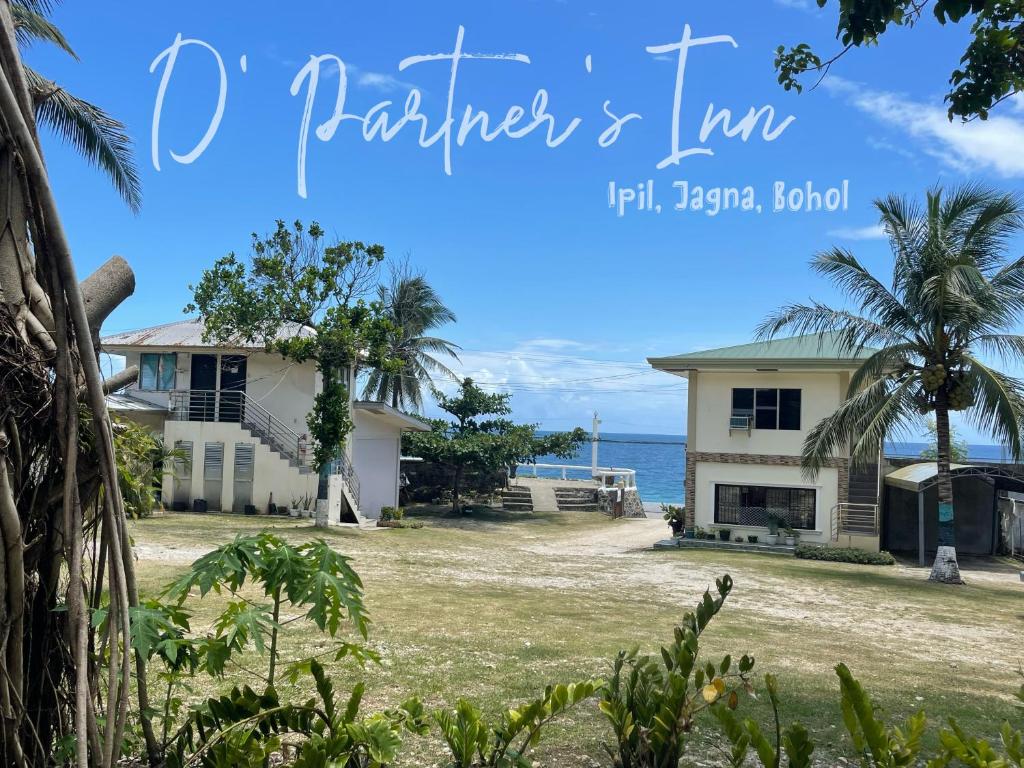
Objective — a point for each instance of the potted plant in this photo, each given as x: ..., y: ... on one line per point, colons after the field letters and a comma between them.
x: 674, y: 517
x: 774, y: 522
x: 791, y: 537
x: 738, y: 539
x: 752, y: 539
x: 724, y: 534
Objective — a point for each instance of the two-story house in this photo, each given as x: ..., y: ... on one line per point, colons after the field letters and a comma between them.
x: 750, y: 408
x: 240, y: 413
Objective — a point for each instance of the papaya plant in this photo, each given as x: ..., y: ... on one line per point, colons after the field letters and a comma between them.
x: 877, y: 745
x: 651, y: 703
x: 475, y: 744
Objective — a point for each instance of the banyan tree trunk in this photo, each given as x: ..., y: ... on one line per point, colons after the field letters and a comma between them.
x: 58, y: 481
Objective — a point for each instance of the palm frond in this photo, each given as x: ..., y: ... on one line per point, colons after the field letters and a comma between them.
x: 999, y: 405
x: 859, y: 424
x: 874, y: 299
x: 31, y: 26
x: 101, y: 139
x: 885, y: 362
x: 855, y: 332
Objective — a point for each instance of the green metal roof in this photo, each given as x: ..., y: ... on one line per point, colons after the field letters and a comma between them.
x: 814, y: 350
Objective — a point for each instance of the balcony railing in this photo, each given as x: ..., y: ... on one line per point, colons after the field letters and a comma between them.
x: 343, y: 467
x: 236, y: 407
x: 608, y: 476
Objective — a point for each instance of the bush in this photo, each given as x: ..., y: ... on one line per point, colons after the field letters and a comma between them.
x: 399, y: 524
x: 844, y: 555
x: 391, y: 513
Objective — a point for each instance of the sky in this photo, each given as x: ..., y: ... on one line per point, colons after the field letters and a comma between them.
x: 559, y: 299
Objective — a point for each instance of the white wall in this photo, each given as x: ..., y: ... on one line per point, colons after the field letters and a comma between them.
x: 821, y: 394
x: 375, y: 449
x: 708, y: 474
x: 273, y: 474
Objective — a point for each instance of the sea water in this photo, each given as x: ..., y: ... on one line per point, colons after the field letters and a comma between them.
x: 660, y: 461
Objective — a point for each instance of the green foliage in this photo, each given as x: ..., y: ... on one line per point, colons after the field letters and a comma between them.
x: 954, y: 297
x: 310, y: 577
x: 306, y: 299
x: 651, y: 703
x: 990, y: 70
x: 244, y: 728
x: 672, y: 512
x: 793, y: 741
x: 958, y: 448
x: 392, y: 513
x: 877, y: 745
x: 480, y: 437
x: 142, y: 460
x: 843, y: 555
x: 475, y: 744
x: 413, y: 308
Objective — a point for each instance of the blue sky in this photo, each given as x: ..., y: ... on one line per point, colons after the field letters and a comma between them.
x: 559, y: 299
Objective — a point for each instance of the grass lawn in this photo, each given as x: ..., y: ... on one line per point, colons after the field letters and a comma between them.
x: 492, y: 606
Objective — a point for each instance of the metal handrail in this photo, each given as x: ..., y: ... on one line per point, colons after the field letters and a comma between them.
x: 235, y: 406
x: 603, y: 473
x: 343, y: 467
x: 858, y: 519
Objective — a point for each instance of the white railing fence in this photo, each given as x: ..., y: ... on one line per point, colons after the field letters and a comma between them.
x: 609, y: 476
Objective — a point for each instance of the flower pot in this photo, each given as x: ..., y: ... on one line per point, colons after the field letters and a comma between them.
x: 724, y: 535
x: 790, y: 541
x: 294, y: 512
x: 676, y: 526
x: 771, y: 539
x: 689, y: 533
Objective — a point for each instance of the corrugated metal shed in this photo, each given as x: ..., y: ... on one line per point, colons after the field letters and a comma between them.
x: 186, y: 334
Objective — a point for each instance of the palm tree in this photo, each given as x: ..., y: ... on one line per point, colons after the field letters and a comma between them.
x: 414, y: 308
x: 954, y: 296
x: 98, y: 137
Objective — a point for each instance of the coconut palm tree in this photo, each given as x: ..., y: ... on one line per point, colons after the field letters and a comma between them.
x: 414, y: 308
x: 952, y: 304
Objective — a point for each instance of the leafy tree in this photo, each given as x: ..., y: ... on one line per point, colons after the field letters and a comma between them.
x: 305, y: 298
x: 480, y: 437
x: 990, y: 70
x: 958, y: 448
x: 413, y: 308
x: 953, y: 295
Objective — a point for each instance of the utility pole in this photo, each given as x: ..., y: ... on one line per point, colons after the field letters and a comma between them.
x: 593, y: 445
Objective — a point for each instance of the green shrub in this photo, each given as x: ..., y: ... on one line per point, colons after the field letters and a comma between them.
x: 844, y: 555
x: 391, y: 513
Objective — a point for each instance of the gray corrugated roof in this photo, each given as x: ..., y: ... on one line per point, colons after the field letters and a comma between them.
x: 122, y: 402
x: 186, y: 333
x: 824, y: 349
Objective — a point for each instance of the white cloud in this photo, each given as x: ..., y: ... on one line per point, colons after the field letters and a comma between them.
x: 980, y: 145
x: 381, y: 81
x: 559, y: 383
x: 873, y: 232
x: 800, y: 5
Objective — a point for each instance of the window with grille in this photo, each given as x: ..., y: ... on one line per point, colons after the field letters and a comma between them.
x: 755, y: 505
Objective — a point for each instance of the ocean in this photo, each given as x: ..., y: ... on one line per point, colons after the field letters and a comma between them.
x: 660, y: 461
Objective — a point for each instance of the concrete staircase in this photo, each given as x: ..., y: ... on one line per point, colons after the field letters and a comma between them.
x: 517, y: 499
x: 576, y: 499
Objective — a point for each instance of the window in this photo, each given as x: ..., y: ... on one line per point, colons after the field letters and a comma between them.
x: 156, y: 371
x: 767, y: 408
x: 753, y: 505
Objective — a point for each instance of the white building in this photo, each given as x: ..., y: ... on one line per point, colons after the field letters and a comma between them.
x: 240, y: 413
x: 750, y: 408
